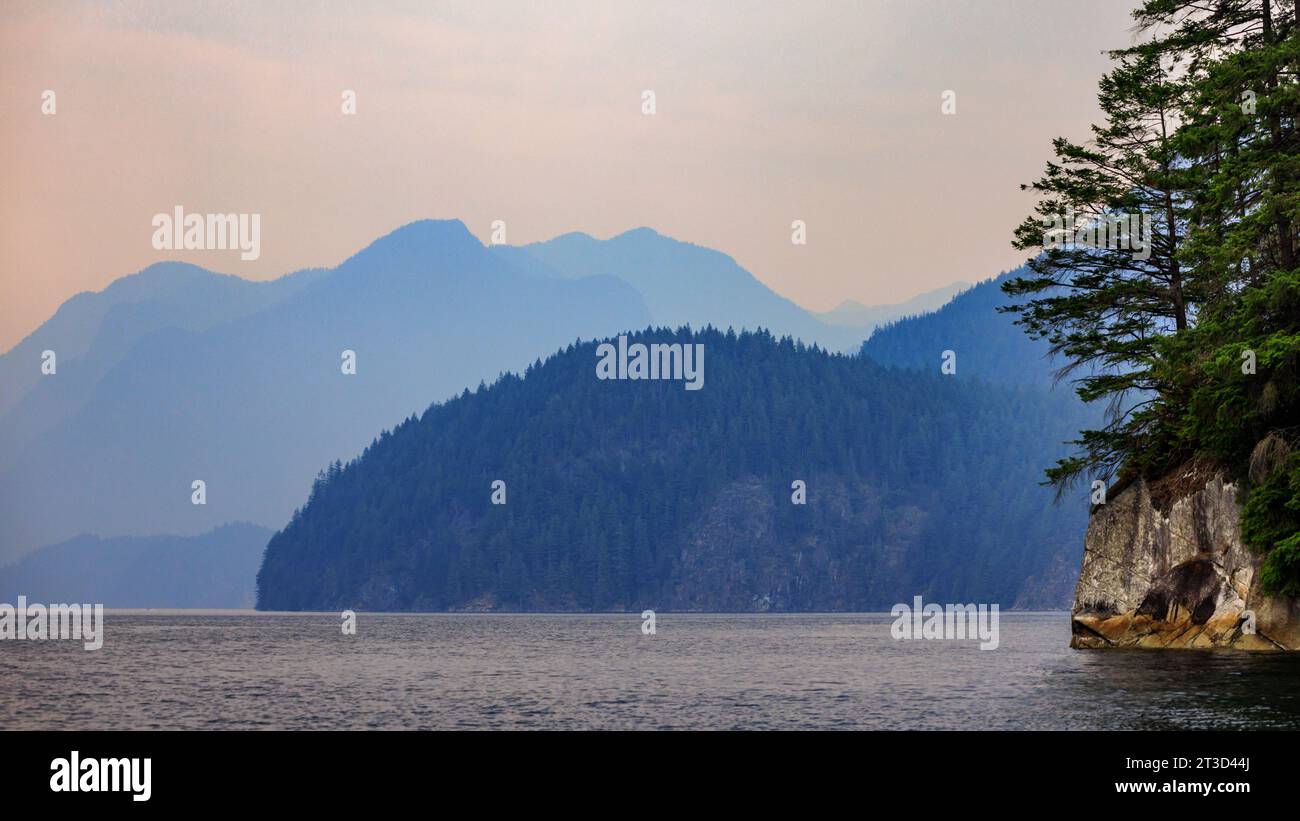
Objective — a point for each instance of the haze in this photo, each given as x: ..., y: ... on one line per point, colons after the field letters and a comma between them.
x: 531, y: 113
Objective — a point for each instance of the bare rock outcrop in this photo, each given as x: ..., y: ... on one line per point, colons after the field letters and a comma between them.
x: 1176, y: 575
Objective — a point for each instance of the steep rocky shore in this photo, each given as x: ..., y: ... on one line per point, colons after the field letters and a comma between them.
x: 1165, y: 569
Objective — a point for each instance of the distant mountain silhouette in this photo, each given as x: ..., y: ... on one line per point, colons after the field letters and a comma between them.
x: 629, y: 494
x: 91, y: 332
x: 177, y: 374
x: 213, y: 570
x: 988, y: 345
x: 853, y: 314
x: 686, y: 284
x: 246, y: 392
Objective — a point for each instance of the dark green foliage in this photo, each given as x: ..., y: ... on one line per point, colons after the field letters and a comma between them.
x: 631, y: 494
x: 1201, y: 135
x: 1270, y: 523
x: 1104, y: 309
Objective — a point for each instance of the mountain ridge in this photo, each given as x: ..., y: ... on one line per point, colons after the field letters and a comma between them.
x: 187, y: 404
x: 214, y: 570
x: 852, y: 313
x: 988, y: 345
x: 629, y: 494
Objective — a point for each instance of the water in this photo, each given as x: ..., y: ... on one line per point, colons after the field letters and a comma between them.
x: 249, y: 671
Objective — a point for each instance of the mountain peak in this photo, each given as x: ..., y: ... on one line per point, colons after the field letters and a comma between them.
x: 643, y: 232
x: 430, y: 230
x: 571, y: 236
x: 167, y: 273
x: 418, y: 241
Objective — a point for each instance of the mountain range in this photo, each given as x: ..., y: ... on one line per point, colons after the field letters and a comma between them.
x: 213, y: 570
x: 853, y: 314
x: 558, y: 490
x: 255, y: 404
x: 684, y: 284
x: 987, y: 345
x: 177, y: 374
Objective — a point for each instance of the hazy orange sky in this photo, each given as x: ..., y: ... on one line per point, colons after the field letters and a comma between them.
x: 531, y: 113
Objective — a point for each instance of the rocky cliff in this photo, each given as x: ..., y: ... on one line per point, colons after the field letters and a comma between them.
x: 1167, y: 568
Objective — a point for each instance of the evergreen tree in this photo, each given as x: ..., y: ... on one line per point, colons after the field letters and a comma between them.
x: 635, y: 494
x: 1221, y: 382
x: 1101, y: 302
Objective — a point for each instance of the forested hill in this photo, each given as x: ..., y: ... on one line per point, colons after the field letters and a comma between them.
x: 623, y: 495
x: 988, y: 344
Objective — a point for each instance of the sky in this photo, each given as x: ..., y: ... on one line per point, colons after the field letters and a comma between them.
x: 533, y: 114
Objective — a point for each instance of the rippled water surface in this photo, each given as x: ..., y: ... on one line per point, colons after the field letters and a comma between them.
x: 246, y: 670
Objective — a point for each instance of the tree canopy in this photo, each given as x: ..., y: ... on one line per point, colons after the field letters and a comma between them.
x: 621, y: 495
x: 1194, y: 343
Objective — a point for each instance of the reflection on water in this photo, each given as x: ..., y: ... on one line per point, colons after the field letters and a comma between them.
x: 238, y: 671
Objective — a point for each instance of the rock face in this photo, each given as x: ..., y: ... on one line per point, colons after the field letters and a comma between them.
x: 1176, y: 575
